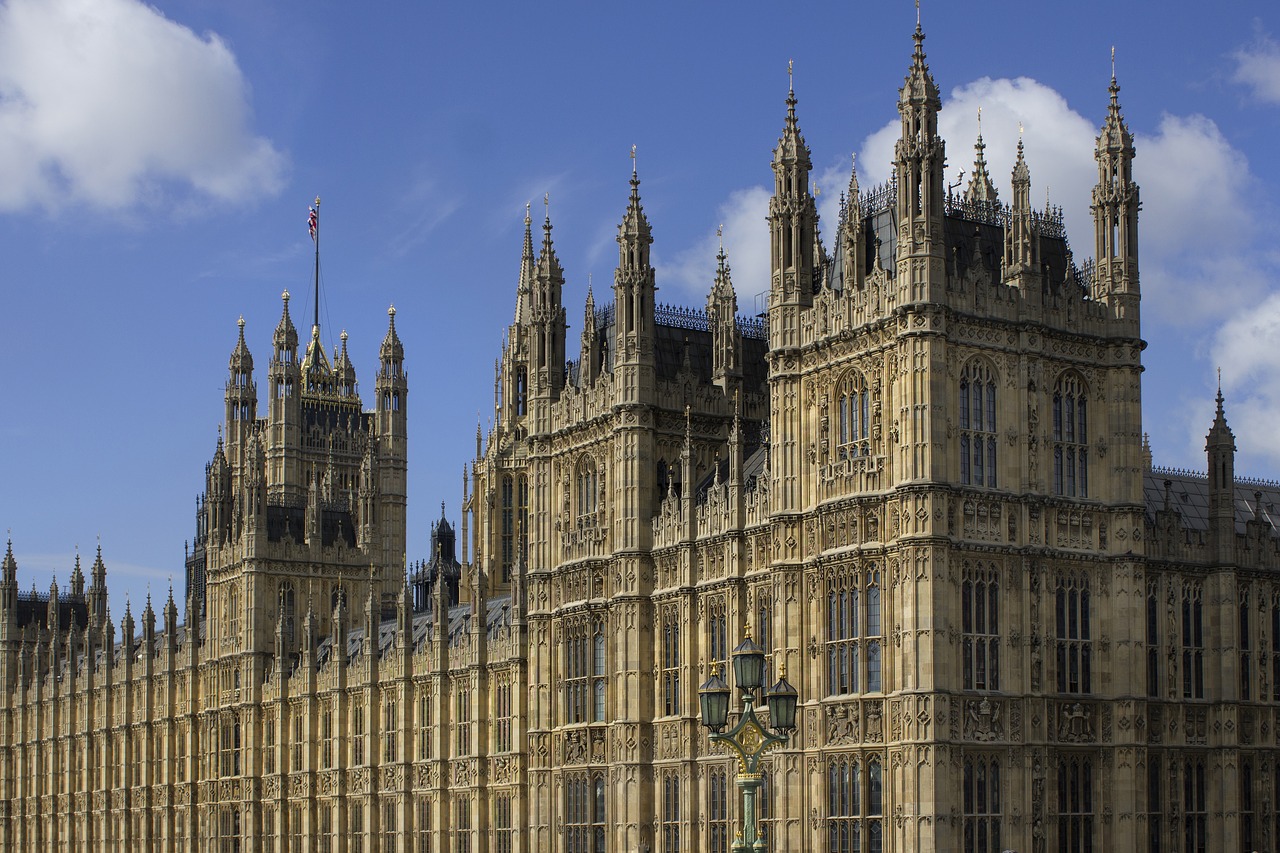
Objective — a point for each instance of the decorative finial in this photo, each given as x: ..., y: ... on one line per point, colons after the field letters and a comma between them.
x: 746, y: 630
x: 816, y: 192
x: 791, y: 80
x: 343, y: 336
x: 240, y: 322
x: 1019, y: 131
x: 720, y: 236
x: 633, y: 161
x: 317, y: 201
x: 979, y: 121
x: 546, y: 203
x: 285, y: 297
x: 917, y: 14
x: 1113, y: 62
x: 391, y: 312
x: 1219, y: 369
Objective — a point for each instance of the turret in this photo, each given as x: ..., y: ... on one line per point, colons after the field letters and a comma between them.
x: 512, y: 371
x: 919, y: 158
x: 219, y: 496
x: 241, y: 394
x: 1021, y: 244
x: 547, y: 324
x: 1220, y: 447
x: 634, y: 295
x: 590, y: 356
x: 77, y: 578
x: 1115, y: 212
x: 981, y: 191
x: 726, y: 340
x: 392, y: 390
x: 849, y: 265
x: 793, y: 225
x: 285, y: 413
x: 98, y: 592
x: 8, y: 596
x: 344, y: 372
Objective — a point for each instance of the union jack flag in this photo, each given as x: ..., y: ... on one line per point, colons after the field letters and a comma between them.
x: 313, y: 222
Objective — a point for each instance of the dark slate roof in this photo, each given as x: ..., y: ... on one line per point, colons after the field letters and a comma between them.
x: 1189, y: 495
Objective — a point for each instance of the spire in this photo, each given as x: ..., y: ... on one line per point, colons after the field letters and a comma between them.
x: 919, y: 88
x: 981, y: 189
x: 548, y: 266
x: 1021, y: 174
x: 793, y: 227
x: 344, y: 372
x: 391, y: 348
x: 635, y: 230
x: 1115, y: 210
x: 919, y: 161
x: 1220, y: 435
x: 524, y: 287
x: 315, y: 359
x: 9, y: 568
x: 285, y: 338
x: 1220, y: 450
x: 241, y: 362
x: 792, y: 149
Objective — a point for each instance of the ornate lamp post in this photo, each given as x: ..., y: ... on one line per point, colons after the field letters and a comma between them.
x: 749, y: 739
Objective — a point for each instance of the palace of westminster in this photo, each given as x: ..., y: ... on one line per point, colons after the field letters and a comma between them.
x: 920, y: 479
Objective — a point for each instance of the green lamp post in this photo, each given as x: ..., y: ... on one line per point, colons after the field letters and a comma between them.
x: 749, y: 739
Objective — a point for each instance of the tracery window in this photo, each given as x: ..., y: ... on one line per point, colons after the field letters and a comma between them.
x: 1192, y: 641
x: 584, y: 668
x: 462, y: 713
x: 1074, y: 646
x: 853, y: 634
x: 982, y: 805
x: 980, y: 606
x: 1246, y: 647
x: 390, y: 729
x: 1247, y: 795
x: 670, y: 825
x: 764, y: 805
x: 1070, y: 437
x: 1195, y: 810
x: 268, y: 746
x: 764, y: 635
x: 423, y: 827
x: 978, y: 425
x: 233, y: 612
x: 357, y: 734
x: 287, y: 611
x: 326, y: 738
x: 671, y: 662
x: 502, y: 717
x: 503, y: 831
x: 462, y: 824
x: 854, y: 805
x: 584, y: 814
x: 424, y: 722
x: 508, y: 526
x: 389, y: 814
x: 586, y: 485
x: 853, y: 416
x: 718, y: 635
x: 1155, y: 812
x: 1075, y: 805
x: 1153, y: 638
x: 718, y: 811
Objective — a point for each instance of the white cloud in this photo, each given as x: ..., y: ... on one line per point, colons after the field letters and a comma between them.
x: 108, y: 103
x: 690, y: 273
x: 1245, y: 347
x: 1258, y: 67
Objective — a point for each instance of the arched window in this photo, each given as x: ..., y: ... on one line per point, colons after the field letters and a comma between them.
x: 980, y: 620
x: 982, y: 805
x: 978, y: 425
x: 287, y: 611
x: 522, y: 390
x: 233, y: 612
x: 853, y: 416
x: 670, y: 825
x: 1071, y: 437
x: 586, y: 485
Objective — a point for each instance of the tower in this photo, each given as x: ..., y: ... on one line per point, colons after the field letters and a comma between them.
x: 391, y: 434
x: 1220, y: 449
x: 284, y: 414
x: 634, y: 294
x: 919, y: 158
x: 1115, y: 212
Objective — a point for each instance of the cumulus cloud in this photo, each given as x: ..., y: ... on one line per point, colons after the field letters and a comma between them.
x: 1245, y: 347
x: 1258, y: 68
x: 110, y: 104
x: 690, y: 273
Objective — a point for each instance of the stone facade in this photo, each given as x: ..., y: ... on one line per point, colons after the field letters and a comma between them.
x: 921, y: 480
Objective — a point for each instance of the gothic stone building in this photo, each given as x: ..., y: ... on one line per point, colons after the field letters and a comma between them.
x: 920, y: 479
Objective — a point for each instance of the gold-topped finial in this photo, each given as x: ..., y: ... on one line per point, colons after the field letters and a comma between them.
x: 240, y: 322
x: 1113, y: 62
x: 546, y: 204
x: 746, y: 630
x: 1020, y: 131
x: 791, y: 80
x: 720, y: 236
x: 391, y: 311
x: 633, y: 161
x: 979, y: 121
x: 285, y: 297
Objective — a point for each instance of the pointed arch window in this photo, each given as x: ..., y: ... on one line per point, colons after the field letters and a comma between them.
x: 587, y: 483
x: 853, y: 634
x: 1071, y: 437
x: 982, y: 805
x: 978, y: 425
x: 287, y: 611
x: 853, y: 416
x: 1074, y: 637
x: 980, y: 610
x: 233, y: 613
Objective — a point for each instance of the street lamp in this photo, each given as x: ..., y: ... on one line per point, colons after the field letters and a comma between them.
x: 749, y: 739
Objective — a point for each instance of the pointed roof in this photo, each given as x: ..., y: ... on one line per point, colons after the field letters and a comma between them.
x: 981, y: 188
x: 315, y: 358
x: 285, y: 335
x: 722, y: 287
x: 241, y: 359
x: 1021, y: 174
x: 391, y: 347
x: 919, y: 88
x: 548, y: 264
x: 635, y: 225
x: 791, y: 149
x: 1114, y: 135
x: 1220, y: 435
x: 524, y: 287
x: 344, y: 371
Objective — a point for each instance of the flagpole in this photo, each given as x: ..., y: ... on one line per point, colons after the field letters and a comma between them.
x: 316, y: 324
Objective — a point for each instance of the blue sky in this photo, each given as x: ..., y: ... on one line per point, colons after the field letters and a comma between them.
x: 156, y: 163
